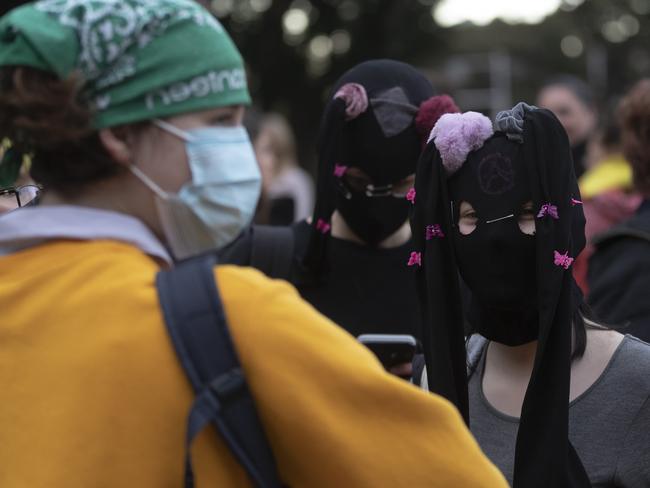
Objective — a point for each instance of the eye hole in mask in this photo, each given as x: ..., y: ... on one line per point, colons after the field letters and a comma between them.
x: 468, y: 218
x: 357, y: 181
x: 526, y: 219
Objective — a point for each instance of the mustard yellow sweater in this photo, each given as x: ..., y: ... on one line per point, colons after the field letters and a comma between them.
x: 93, y: 395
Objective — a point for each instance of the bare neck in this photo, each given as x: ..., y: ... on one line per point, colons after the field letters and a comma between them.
x: 508, y: 369
x: 341, y: 230
x: 504, y: 358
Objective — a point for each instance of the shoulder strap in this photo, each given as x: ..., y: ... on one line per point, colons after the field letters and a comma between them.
x: 272, y: 250
x: 197, y: 326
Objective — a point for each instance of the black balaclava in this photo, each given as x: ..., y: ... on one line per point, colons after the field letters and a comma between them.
x: 497, y: 259
x: 541, y: 171
x: 375, y: 120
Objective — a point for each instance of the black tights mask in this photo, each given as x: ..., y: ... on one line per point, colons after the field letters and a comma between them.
x: 495, y: 243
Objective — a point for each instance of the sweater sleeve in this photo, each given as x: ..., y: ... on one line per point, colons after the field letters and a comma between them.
x: 333, y: 416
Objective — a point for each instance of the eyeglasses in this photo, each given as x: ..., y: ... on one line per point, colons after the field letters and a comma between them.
x: 15, y: 197
x: 358, y: 184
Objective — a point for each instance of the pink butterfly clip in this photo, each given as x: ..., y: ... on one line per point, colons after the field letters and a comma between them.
x: 322, y: 226
x: 339, y: 170
x: 548, y: 209
x: 562, y: 260
x: 575, y: 202
x: 410, y: 196
x: 415, y: 259
x: 433, y: 231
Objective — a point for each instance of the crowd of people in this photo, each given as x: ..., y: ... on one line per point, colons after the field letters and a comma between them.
x: 503, y: 264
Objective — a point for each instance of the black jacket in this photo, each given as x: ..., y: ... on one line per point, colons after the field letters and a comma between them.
x: 619, y: 275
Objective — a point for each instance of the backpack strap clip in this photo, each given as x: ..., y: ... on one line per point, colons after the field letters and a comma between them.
x: 229, y: 385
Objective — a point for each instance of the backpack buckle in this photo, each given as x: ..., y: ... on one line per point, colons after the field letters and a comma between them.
x: 229, y: 384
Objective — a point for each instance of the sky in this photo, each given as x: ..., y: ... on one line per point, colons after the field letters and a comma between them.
x: 481, y: 12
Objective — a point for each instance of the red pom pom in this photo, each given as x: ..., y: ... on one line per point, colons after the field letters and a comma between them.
x: 430, y: 111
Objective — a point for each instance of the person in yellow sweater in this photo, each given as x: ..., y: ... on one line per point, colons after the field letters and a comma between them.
x: 132, y: 111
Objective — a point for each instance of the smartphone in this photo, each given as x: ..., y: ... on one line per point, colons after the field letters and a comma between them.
x: 391, y: 349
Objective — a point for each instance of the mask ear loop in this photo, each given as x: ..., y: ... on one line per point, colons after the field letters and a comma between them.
x: 148, y: 182
x: 172, y: 129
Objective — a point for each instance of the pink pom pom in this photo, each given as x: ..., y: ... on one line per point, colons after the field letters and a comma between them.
x: 456, y: 135
x: 355, y: 97
x: 430, y: 111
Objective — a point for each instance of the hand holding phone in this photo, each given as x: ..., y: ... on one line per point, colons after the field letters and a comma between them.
x: 391, y: 349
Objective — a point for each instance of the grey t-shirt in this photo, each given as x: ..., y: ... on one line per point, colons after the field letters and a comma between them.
x: 609, y: 424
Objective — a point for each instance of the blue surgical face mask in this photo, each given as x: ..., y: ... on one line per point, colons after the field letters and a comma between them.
x: 212, y: 209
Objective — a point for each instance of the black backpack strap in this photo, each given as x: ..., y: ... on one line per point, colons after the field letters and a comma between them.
x: 272, y: 250
x: 197, y: 326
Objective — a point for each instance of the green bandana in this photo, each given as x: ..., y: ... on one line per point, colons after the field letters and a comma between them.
x: 139, y: 59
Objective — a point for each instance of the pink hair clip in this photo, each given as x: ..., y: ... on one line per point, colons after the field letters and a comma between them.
x: 433, y: 231
x: 410, y: 196
x: 548, y: 209
x: 339, y: 170
x: 355, y: 97
x: 415, y: 259
x: 562, y: 260
x: 575, y: 202
x: 322, y: 226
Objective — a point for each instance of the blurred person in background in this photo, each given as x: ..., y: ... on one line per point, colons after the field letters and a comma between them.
x: 619, y: 269
x: 288, y: 189
x: 139, y: 141
x: 606, y: 188
x: 573, y: 103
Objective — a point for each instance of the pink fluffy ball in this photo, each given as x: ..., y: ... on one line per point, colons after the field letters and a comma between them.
x: 456, y: 135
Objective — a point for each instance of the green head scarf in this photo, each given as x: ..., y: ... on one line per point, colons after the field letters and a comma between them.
x: 138, y: 59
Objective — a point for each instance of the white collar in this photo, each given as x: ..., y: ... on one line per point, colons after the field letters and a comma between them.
x: 30, y: 226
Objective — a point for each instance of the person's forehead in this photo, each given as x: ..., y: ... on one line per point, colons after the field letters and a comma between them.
x: 556, y: 95
x: 492, y: 175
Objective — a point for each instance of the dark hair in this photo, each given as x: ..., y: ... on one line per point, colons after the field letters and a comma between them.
x: 50, y: 119
x: 634, y: 113
x: 575, y: 85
